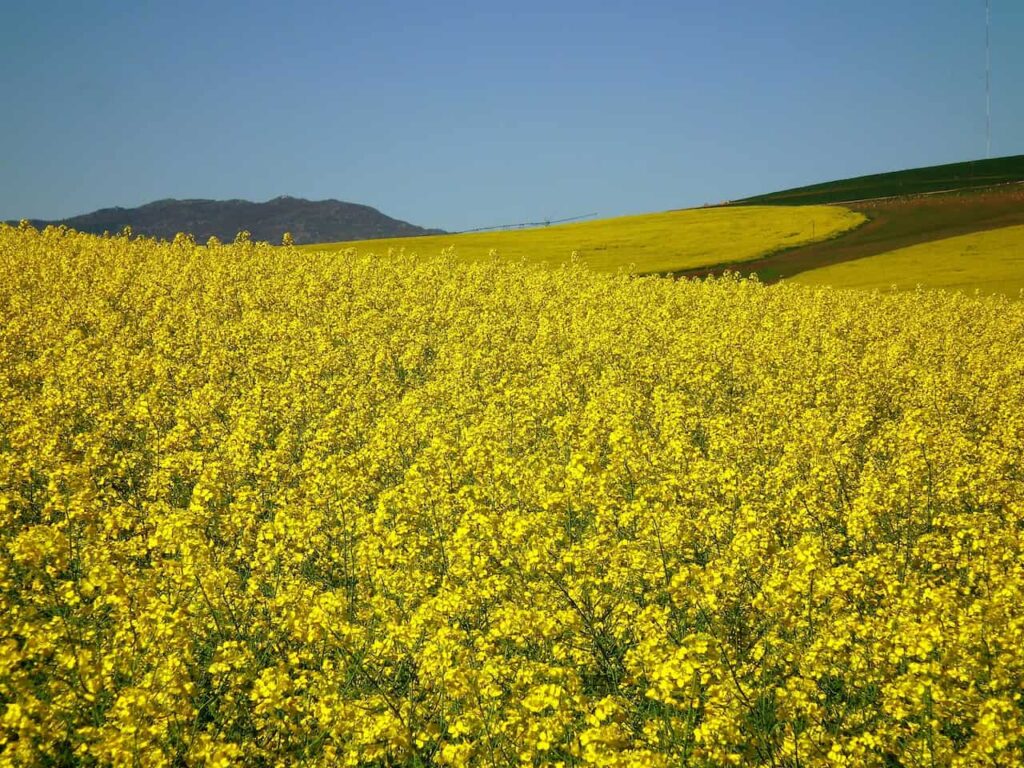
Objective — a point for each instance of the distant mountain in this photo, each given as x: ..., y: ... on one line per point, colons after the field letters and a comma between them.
x: 309, y: 221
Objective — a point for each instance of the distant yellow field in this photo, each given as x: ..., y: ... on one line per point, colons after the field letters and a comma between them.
x: 652, y: 242
x: 991, y: 262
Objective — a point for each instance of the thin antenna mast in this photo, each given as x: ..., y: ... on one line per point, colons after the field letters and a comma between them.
x: 988, y: 79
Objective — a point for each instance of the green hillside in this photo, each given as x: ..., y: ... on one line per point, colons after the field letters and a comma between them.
x: 915, y: 181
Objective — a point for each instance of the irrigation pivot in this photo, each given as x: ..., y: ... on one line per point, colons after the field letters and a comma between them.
x: 525, y: 224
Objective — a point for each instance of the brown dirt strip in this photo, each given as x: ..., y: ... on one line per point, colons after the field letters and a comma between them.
x: 892, y: 223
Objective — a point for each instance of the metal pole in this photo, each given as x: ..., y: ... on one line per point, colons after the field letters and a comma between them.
x: 988, y: 79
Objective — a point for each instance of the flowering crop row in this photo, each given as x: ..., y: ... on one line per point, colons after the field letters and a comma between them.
x: 648, y: 243
x: 990, y: 261
x: 271, y: 507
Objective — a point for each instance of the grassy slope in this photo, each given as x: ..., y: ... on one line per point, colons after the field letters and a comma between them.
x: 992, y: 262
x: 648, y: 243
x: 915, y: 181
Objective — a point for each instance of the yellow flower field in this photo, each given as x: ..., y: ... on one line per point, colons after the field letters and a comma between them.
x: 271, y: 507
x: 646, y: 243
x: 989, y: 262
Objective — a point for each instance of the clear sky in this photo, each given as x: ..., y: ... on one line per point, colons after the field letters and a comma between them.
x: 462, y: 114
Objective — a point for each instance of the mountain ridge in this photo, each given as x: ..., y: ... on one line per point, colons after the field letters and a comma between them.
x: 308, y: 221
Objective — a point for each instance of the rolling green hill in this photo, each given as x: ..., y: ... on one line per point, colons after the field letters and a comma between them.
x: 914, y: 181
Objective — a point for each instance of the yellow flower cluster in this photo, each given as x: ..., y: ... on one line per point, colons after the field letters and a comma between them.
x: 271, y: 507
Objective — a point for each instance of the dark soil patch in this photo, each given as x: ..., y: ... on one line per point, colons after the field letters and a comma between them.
x: 892, y: 223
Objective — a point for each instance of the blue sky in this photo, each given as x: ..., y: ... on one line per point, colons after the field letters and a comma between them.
x: 464, y: 114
